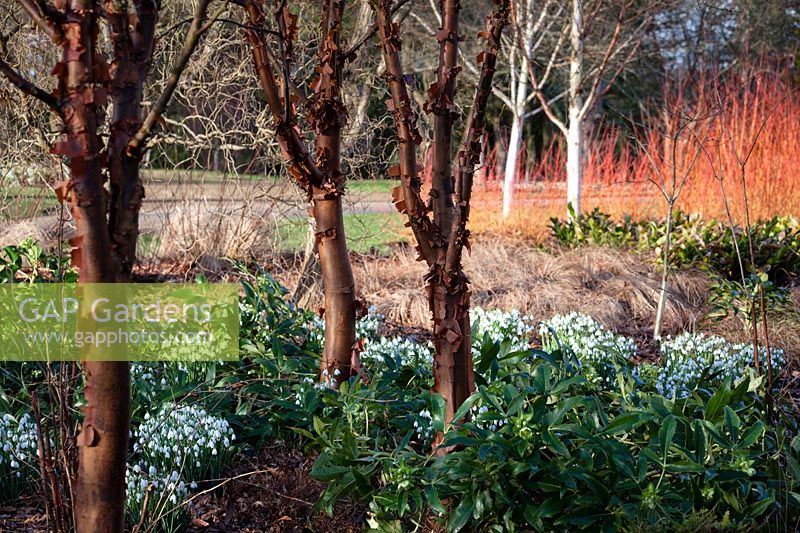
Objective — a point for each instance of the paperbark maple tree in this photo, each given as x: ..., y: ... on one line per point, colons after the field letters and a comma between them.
x: 442, y: 238
x: 320, y: 175
x: 104, y: 245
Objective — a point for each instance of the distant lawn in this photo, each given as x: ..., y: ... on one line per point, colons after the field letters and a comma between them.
x: 372, y: 186
x: 18, y: 203
x: 381, y: 186
x: 365, y: 233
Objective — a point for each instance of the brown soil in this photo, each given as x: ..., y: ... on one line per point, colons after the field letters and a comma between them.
x: 270, y: 493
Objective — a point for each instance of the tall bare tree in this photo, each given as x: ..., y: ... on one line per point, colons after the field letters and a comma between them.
x: 613, y: 31
x: 442, y: 238
x: 320, y: 176
x: 104, y: 246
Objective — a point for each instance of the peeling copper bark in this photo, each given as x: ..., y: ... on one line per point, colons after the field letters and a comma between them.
x: 441, y: 240
x: 83, y: 79
x: 320, y: 175
x: 133, y: 45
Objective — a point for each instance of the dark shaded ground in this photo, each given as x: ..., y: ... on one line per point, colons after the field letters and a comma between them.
x: 270, y: 493
x: 24, y: 516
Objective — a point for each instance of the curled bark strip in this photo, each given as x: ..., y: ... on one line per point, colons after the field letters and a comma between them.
x: 329, y: 233
x: 88, y: 436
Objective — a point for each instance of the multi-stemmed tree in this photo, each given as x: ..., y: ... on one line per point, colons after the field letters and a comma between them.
x: 106, y: 221
x: 318, y: 174
x: 441, y: 238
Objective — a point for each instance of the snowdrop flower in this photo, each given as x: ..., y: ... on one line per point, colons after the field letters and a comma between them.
x: 501, y: 326
x: 595, y: 347
x: 20, y: 451
x: 687, y: 357
x: 383, y: 353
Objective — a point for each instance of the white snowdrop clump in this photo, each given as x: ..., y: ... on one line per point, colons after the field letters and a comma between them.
x: 367, y: 327
x: 689, y: 356
x: 398, y: 352
x: 173, y: 450
x: 484, y: 419
x: 593, y: 345
x: 166, y: 487
x: 423, y: 426
x: 502, y: 326
x: 18, y: 444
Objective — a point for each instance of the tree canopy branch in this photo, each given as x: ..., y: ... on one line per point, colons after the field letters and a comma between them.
x: 28, y: 87
x: 137, y: 143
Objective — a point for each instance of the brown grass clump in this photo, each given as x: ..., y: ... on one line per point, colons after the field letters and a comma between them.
x: 618, y: 288
x: 784, y: 327
x: 205, y: 232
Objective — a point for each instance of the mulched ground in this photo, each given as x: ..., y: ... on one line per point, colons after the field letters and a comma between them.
x: 24, y: 517
x: 270, y: 493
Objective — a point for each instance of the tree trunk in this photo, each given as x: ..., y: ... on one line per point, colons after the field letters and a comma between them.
x: 574, y: 163
x: 441, y: 241
x: 575, y: 112
x: 512, y: 163
x: 103, y: 448
x: 103, y: 441
x: 322, y: 177
x: 132, y: 55
x: 662, y: 298
x: 441, y: 102
x: 328, y: 116
x: 448, y: 298
x: 519, y: 96
x: 338, y: 288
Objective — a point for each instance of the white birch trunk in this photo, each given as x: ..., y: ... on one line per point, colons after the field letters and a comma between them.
x: 512, y: 158
x: 575, y: 112
x: 574, y: 161
x: 519, y: 96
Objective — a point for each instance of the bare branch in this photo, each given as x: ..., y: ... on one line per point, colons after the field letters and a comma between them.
x: 29, y: 88
x: 45, y: 17
x: 137, y: 144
